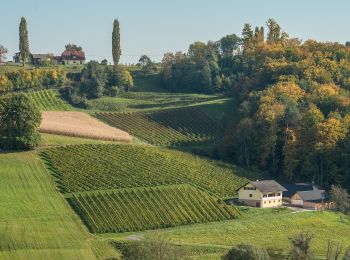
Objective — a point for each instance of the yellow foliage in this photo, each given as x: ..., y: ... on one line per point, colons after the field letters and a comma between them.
x: 5, y: 83
x: 286, y: 89
x: 329, y: 132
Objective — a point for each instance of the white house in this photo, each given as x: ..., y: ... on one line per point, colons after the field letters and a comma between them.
x: 263, y: 194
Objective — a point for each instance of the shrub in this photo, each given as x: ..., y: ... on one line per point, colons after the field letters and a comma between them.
x: 246, y: 252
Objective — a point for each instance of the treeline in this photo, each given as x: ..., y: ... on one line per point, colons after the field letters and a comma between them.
x: 96, y: 80
x: 294, y: 100
x: 36, y: 79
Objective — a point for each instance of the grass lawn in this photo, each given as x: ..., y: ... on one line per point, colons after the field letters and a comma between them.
x: 265, y: 228
x: 35, y: 221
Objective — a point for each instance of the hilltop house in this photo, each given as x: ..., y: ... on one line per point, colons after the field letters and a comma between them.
x: 73, y: 57
x: 306, y: 195
x: 263, y: 194
x: 35, y: 59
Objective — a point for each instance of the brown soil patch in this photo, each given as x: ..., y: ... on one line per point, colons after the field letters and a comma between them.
x: 79, y: 124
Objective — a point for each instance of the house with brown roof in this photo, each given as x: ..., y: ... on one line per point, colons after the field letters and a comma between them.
x: 73, y: 57
x: 263, y: 194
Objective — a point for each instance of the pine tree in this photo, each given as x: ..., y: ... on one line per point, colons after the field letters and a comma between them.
x: 23, y: 40
x: 116, y: 51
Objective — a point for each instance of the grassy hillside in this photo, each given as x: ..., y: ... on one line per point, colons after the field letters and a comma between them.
x: 35, y: 222
x: 92, y: 167
x: 170, y: 127
x: 262, y: 227
x: 49, y: 100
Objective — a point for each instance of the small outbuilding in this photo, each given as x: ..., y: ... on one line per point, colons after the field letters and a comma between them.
x: 313, y: 199
x: 262, y: 194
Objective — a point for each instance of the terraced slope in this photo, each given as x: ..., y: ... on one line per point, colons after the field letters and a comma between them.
x: 49, y: 100
x: 118, y: 188
x: 148, y: 208
x: 170, y: 127
x: 108, y: 166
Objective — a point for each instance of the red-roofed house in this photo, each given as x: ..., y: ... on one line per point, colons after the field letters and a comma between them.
x: 73, y: 57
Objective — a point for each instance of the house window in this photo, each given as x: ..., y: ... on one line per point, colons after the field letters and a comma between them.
x: 265, y: 202
x: 271, y: 195
x: 279, y: 200
x: 264, y: 195
x: 250, y: 195
x: 249, y: 188
x: 269, y: 201
x: 279, y: 194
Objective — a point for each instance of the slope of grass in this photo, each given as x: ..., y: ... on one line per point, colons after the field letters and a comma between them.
x: 106, y: 166
x: 148, y: 208
x: 169, y: 127
x: 49, y: 100
x: 270, y: 229
x: 35, y: 222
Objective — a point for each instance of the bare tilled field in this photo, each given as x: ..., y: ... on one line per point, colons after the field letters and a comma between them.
x: 80, y: 125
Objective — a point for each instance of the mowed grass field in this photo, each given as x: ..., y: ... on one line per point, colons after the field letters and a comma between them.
x: 79, y: 124
x: 168, y: 127
x: 119, y: 188
x: 35, y: 221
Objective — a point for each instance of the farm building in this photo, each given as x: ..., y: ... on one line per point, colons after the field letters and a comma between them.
x: 292, y: 188
x: 312, y: 199
x: 263, y: 194
x: 73, y: 57
x: 35, y: 59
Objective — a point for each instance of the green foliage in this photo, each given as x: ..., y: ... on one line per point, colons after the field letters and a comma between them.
x: 136, y: 209
x: 73, y: 47
x: 347, y: 254
x: 246, y: 252
x: 109, y: 167
x: 48, y: 100
x: 116, y: 50
x: 23, y: 40
x: 153, y: 247
x: 19, y: 120
x: 176, y: 127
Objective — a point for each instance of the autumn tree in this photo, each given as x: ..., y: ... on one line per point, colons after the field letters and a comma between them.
x: 116, y: 50
x: 23, y: 40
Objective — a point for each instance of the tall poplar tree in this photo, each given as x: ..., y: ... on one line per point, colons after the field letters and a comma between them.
x: 23, y: 40
x: 116, y: 51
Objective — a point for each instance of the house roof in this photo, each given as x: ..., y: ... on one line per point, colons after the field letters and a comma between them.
x: 312, y: 195
x: 268, y: 186
x: 73, y: 55
x: 292, y: 188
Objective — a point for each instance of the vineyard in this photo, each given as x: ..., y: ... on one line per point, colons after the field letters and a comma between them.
x: 48, y: 100
x: 108, y: 166
x: 148, y: 208
x: 170, y: 127
x: 118, y: 188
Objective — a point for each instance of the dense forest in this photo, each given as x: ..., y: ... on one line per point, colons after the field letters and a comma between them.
x: 293, y: 96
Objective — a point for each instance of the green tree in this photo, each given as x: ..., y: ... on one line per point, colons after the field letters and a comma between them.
x: 73, y: 47
x: 347, y: 254
x: 19, y: 120
x: 246, y: 252
x: 23, y: 40
x: 274, y: 34
x: 146, y: 63
x: 341, y: 198
x: 116, y: 51
x: 247, y: 35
